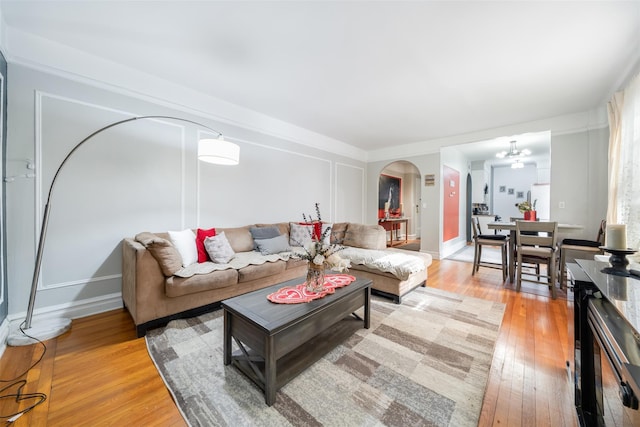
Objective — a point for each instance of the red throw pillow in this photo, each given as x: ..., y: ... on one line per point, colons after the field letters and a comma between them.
x: 201, y: 234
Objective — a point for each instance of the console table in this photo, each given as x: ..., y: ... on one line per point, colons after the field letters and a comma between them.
x: 393, y: 225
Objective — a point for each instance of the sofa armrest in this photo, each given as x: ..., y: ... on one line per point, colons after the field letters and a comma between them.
x: 130, y: 249
x: 142, y: 278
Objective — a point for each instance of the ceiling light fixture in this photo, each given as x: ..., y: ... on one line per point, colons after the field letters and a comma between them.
x: 513, y: 152
x: 517, y: 164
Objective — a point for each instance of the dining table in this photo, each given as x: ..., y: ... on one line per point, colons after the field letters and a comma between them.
x: 511, y: 227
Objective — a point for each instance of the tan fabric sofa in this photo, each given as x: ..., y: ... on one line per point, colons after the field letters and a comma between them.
x: 154, y: 296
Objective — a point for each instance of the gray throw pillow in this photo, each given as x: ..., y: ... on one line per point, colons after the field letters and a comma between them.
x: 219, y: 248
x: 275, y: 245
x: 263, y: 233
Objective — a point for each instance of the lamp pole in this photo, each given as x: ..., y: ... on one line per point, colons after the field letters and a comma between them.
x: 57, y: 327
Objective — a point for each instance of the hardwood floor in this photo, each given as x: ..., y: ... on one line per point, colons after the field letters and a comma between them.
x: 100, y: 374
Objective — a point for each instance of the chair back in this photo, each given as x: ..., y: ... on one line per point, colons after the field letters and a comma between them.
x: 475, y: 225
x: 536, y: 233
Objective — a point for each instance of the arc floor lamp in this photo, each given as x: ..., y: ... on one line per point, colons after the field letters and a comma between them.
x: 217, y: 151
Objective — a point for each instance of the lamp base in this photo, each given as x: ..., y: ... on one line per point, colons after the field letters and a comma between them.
x: 42, y: 331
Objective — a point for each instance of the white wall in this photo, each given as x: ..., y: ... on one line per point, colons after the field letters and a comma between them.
x: 579, y: 176
x: 517, y: 180
x: 140, y: 176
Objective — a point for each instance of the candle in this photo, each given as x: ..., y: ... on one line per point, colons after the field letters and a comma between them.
x: 616, y: 236
x: 386, y: 206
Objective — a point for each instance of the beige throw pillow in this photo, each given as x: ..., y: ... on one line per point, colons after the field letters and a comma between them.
x: 163, y: 251
x: 365, y: 236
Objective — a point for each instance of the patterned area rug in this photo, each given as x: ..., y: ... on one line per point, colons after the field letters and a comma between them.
x: 425, y: 362
x: 410, y: 247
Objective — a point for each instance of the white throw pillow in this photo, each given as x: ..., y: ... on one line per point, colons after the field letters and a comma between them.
x: 219, y: 248
x: 185, y: 243
x: 300, y: 234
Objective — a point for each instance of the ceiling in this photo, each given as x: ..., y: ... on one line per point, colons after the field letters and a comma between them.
x: 369, y: 74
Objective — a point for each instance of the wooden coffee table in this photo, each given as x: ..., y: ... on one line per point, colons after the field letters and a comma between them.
x: 278, y: 341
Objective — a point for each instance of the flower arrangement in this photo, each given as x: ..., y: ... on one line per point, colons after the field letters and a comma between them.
x: 319, y: 252
x: 526, y: 206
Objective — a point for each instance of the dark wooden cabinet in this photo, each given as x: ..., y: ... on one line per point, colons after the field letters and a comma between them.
x: 606, y: 369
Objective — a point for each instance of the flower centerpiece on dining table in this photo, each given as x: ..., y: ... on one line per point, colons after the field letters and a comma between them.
x: 528, y: 210
x: 320, y: 253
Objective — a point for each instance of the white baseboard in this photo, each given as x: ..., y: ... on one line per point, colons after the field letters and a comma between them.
x: 74, y: 310
x: 4, y: 333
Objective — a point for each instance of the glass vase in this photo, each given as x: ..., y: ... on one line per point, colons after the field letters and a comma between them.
x: 315, y: 277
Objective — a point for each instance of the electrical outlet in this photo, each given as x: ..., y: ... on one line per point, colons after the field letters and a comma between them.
x: 561, y: 205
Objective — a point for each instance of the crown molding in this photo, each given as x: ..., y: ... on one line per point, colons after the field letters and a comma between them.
x: 63, y: 61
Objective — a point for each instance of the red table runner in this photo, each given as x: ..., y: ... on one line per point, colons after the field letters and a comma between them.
x: 299, y: 294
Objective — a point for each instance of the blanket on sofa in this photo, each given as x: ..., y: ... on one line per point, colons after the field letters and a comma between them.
x: 241, y: 259
x: 399, y: 264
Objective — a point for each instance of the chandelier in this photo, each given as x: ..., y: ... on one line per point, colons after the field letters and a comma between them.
x: 513, y: 152
x: 517, y: 164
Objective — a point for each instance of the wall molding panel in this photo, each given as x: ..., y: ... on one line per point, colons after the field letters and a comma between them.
x: 52, y: 143
x: 357, y: 173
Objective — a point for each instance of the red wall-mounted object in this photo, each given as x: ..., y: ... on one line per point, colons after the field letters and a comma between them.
x: 451, y: 203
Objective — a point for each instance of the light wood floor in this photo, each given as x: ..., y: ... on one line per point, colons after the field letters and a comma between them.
x: 100, y: 374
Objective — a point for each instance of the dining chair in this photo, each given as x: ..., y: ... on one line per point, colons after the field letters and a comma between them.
x: 480, y: 240
x: 538, y: 249
x: 579, y: 249
x: 514, y: 255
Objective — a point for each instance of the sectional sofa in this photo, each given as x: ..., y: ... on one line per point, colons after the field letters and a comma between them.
x: 158, y: 286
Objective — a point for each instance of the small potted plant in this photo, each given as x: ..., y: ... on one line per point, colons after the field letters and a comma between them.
x: 528, y: 210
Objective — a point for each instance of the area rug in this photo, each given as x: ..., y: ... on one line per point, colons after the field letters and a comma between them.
x: 424, y: 362
x: 415, y: 246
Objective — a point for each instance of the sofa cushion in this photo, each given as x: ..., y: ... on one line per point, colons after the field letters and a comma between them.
x: 185, y: 242
x: 252, y: 272
x: 400, y: 264
x: 338, y: 231
x: 282, y: 226
x: 274, y: 245
x: 296, y: 262
x: 178, y: 286
x: 163, y: 251
x: 365, y: 236
x: 201, y: 234
x: 239, y: 238
x: 219, y: 249
x: 267, y: 232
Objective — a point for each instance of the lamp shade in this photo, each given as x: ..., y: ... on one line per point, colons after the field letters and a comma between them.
x: 218, y: 151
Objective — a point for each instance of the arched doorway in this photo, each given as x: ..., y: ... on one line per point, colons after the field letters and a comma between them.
x: 399, y: 197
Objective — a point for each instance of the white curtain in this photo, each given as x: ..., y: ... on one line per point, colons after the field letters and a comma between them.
x: 624, y: 161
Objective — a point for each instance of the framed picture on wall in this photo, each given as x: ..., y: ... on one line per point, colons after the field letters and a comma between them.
x: 389, y: 189
x: 520, y: 195
x: 502, y: 188
x: 510, y: 192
